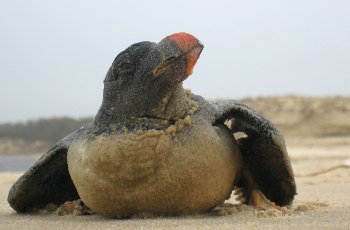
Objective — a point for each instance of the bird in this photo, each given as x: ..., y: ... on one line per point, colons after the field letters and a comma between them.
x: 157, y: 148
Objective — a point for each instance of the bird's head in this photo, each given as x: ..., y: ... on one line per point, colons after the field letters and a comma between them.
x: 145, y: 73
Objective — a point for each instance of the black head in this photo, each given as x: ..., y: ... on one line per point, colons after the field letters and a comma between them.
x: 146, y: 72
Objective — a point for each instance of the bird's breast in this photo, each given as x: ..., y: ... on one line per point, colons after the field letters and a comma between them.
x: 189, y: 167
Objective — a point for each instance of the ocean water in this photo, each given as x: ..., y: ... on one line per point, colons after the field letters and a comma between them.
x: 16, y: 163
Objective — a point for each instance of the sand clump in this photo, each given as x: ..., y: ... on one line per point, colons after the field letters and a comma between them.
x: 229, y: 209
x: 68, y: 208
x: 307, y: 206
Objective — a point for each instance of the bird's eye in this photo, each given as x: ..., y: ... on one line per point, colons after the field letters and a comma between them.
x: 124, y: 68
x: 170, y: 59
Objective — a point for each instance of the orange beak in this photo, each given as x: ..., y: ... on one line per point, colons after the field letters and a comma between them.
x: 190, y: 45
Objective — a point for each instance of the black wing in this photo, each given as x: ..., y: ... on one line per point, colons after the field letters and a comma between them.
x: 48, y: 180
x: 263, y: 149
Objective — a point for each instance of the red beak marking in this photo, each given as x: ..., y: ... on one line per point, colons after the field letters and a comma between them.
x: 188, y: 43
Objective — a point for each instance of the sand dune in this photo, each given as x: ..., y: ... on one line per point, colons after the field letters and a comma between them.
x: 306, y: 116
x: 297, y: 117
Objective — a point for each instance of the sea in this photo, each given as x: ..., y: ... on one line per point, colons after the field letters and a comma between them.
x: 17, y: 163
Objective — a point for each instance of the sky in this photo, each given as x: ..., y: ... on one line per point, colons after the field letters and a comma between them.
x: 54, y: 54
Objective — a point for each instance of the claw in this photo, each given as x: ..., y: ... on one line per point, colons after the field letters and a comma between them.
x: 259, y: 201
x: 238, y: 191
x: 241, y: 195
x: 242, y: 200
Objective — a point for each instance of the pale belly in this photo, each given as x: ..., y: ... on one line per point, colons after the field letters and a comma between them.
x: 155, y: 172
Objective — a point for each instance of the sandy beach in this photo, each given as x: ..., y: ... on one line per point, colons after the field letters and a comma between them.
x: 99, y: 131
x: 322, y: 202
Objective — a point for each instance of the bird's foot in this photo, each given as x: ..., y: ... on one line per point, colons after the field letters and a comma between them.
x: 241, y: 195
x: 259, y: 201
x: 75, y: 208
x: 256, y: 199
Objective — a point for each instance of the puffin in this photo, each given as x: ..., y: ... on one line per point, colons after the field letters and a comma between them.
x: 157, y: 148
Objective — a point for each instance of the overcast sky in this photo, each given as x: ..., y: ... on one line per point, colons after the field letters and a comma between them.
x: 54, y: 54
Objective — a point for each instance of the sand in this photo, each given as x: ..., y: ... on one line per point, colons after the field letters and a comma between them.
x: 322, y: 202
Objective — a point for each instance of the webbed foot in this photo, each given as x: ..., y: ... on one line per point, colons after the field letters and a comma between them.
x: 255, y: 198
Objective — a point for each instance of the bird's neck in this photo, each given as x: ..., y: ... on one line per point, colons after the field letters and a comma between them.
x: 117, y: 110
x: 174, y: 105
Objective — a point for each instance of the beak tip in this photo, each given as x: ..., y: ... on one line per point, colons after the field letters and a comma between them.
x: 185, y: 41
x: 190, y: 48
